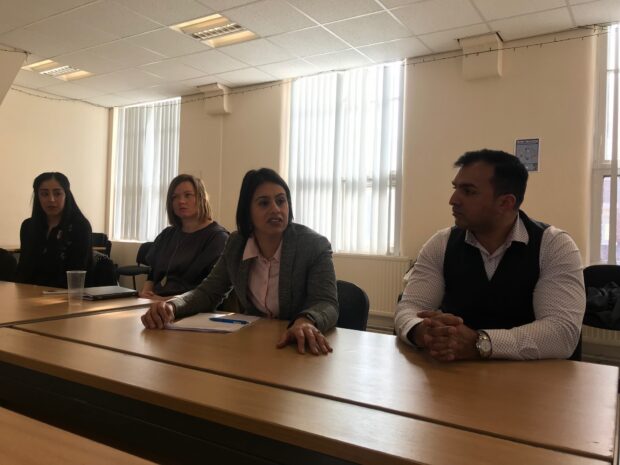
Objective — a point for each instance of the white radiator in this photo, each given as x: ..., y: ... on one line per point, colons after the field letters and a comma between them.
x: 381, y: 277
x: 601, y: 336
x: 601, y: 345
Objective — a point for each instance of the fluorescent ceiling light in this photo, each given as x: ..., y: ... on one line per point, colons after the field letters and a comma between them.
x: 56, y: 70
x: 215, y: 31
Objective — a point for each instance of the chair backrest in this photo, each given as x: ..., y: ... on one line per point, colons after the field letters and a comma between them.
x: 599, y: 275
x: 8, y: 265
x: 353, y: 306
x: 143, y: 251
x: 102, y: 271
x: 101, y: 240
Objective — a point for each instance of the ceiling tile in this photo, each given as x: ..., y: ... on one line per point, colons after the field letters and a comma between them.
x: 532, y: 24
x: 437, y: 15
x: 77, y: 34
x: 575, y: 2
x: 339, y: 60
x: 145, y: 95
x: 19, y: 14
x: 221, y: 5
x: 43, y: 45
x: 175, y: 89
x: 109, y: 101
x: 121, y: 81
x: 33, y: 80
x: 308, y: 42
x: 71, y: 90
x: 244, y: 77
x: 126, y: 54
x: 114, y: 18
x: 395, y: 3
x: 269, y: 17
x: 90, y: 62
x: 257, y: 52
x: 289, y: 69
x: 168, y: 42
x: 212, y: 62
x: 169, y: 12
x: 172, y: 70
x: 203, y: 81
x: 602, y: 11
x: 395, y: 50
x: 446, y: 41
x: 492, y: 9
x: 371, y: 29
x: 325, y: 11
x: 94, y: 24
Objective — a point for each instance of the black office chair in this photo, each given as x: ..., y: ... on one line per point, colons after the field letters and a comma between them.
x: 101, y: 240
x: 102, y: 271
x: 8, y: 265
x: 141, y: 266
x: 353, y: 306
x: 598, y: 276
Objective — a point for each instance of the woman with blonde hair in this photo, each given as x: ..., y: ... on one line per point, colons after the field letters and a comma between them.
x: 184, y: 253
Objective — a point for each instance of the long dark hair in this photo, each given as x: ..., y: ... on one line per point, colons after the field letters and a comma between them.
x: 70, y: 211
x: 251, y: 181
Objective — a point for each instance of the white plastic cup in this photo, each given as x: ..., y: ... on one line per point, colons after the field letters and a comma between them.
x: 75, y: 286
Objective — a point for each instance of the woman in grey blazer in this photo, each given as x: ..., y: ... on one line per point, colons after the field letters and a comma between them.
x: 277, y: 269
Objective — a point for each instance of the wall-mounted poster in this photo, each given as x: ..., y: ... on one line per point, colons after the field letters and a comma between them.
x: 526, y: 150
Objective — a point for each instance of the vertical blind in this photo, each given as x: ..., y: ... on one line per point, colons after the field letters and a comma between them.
x: 146, y: 159
x: 344, y: 156
x: 609, y: 220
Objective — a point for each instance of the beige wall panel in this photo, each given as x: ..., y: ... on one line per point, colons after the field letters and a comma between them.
x: 545, y: 92
x: 38, y: 135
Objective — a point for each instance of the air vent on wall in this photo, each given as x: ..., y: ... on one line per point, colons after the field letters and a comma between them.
x: 215, y: 30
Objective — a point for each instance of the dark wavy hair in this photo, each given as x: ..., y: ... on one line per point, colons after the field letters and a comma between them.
x: 510, y: 175
x: 202, y: 199
x: 251, y: 181
x: 70, y: 211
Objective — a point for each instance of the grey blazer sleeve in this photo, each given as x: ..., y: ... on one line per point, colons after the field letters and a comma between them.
x: 321, y: 301
x: 209, y: 293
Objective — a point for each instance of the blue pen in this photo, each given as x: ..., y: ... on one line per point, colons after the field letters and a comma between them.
x: 228, y: 320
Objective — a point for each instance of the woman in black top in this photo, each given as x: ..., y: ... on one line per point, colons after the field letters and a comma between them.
x: 56, y: 238
x: 184, y: 253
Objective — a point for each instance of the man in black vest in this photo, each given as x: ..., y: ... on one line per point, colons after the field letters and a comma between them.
x: 498, y: 284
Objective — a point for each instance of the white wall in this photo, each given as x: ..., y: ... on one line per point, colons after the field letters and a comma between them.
x: 38, y: 135
x: 221, y: 149
x: 545, y: 92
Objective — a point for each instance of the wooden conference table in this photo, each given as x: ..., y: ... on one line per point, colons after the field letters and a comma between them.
x: 372, y: 398
x: 192, y: 415
x: 26, y: 441
x: 26, y: 303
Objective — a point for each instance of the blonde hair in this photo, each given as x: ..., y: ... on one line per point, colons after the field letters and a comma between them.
x: 202, y: 199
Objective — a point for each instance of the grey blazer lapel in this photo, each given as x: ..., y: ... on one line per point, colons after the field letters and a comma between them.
x: 287, y: 259
x: 242, y: 284
x: 240, y: 271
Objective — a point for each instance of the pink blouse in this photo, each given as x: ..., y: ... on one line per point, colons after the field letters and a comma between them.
x: 263, y: 278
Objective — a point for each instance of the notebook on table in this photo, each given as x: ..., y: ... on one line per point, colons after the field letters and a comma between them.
x: 107, y: 292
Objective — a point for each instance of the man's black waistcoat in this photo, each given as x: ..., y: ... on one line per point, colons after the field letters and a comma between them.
x: 506, y: 300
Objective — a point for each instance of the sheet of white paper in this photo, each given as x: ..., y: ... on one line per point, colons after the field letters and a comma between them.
x: 204, y: 322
